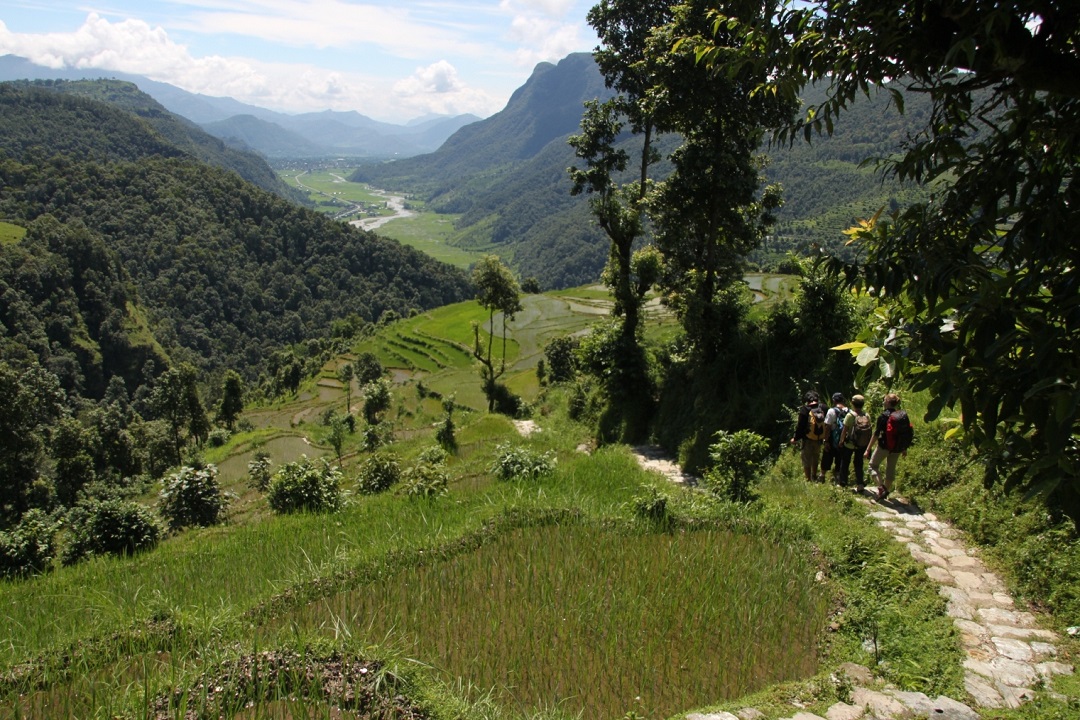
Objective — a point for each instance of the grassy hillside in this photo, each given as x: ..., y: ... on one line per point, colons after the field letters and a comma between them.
x: 504, y: 598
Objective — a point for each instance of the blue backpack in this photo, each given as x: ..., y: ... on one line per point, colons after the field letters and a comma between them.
x: 838, y: 428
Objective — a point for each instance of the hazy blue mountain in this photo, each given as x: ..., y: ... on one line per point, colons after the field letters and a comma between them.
x: 318, y: 134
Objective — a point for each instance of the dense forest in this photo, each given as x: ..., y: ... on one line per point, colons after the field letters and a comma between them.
x: 140, y: 262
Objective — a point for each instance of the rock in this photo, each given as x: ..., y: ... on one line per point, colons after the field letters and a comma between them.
x: 960, y: 610
x: 966, y: 562
x: 968, y: 581
x: 984, y: 694
x: 843, y: 711
x: 712, y: 716
x: 878, y: 704
x: 969, y: 627
x: 1047, y: 670
x: 806, y: 716
x: 941, y: 575
x: 859, y: 674
x: 1013, y: 673
x: 1019, y: 633
x: 918, y: 702
x: 750, y: 714
x: 1014, y: 697
x: 1013, y: 649
x: 1042, y: 649
x: 949, y: 709
x: 926, y: 558
x: 1014, y: 618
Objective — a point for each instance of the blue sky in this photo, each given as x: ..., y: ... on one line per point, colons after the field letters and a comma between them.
x: 392, y: 60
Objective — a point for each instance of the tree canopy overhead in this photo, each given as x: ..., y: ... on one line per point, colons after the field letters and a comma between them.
x: 980, y: 281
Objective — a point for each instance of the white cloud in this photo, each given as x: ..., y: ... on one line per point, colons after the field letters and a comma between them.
x: 551, y: 8
x: 437, y: 88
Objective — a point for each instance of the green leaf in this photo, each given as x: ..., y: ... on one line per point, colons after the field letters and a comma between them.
x: 867, y: 356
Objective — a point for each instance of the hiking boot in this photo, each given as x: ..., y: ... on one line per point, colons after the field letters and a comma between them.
x: 882, y: 493
x: 860, y: 489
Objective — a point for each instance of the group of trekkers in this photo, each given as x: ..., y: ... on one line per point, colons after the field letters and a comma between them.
x: 839, y: 437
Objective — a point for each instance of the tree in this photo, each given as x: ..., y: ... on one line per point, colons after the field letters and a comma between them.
x: 376, y: 400
x: 232, y: 399
x: 367, y: 368
x: 176, y: 400
x: 339, y: 430
x: 345, y: 375
x: 624, y: 27
x: 980, y: 282
x: 497, y: 291
x: 33, y: 402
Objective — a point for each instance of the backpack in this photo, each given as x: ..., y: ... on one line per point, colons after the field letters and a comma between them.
x: 898, y: 432
x: 838, y: 428
x: 864, y: 430
x: 815, y: 423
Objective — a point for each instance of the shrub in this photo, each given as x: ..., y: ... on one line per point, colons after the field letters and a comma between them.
x: 444, y: 433
x: 561, y: 358
x: 305, y: 485
x: 192, y: 498
x: 259, y: 471
x: 521, y: 462
x: 652, y: 506
x: 378, y: 473
x: 29, y: 547
x: 109, y: 527
x: 737, y: 462
x: 375, y: 436
x: 218, y: 437
x: 425, y: 480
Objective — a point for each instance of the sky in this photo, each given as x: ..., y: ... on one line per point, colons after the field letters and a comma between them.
x: 393, y: 60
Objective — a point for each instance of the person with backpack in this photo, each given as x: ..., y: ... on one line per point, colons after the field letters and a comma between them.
x: 894, y: 436
x: 858, y: 433
x: 834, y: 454
x: 809, y: 432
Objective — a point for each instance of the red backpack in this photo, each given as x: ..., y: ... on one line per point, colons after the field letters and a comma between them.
x: 898, y: 432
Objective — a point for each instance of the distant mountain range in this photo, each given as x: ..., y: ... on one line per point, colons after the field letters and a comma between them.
x: 273, y: 134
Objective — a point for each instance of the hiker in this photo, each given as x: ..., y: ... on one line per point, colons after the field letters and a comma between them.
x: 858, y: 432
x: 894, y: 435
x: 834, y: 454
x: 809, y: 432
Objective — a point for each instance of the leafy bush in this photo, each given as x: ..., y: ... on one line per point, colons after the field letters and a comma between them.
x: 425, y: 480
x: 109, y: 527
x: 561, y: 358
x: 378, y: 473
x: 218, y: 437
x: 29, y: 547
x: 305, y: 485
x: 259, y: 471
x: 737, y: 462
x: 192, y: 498
x: 652, y: 506
x: 375, y: 436
x: 520, y: 462
x: 433, y: 454
x: 444, y: 433
x: 377, y: 398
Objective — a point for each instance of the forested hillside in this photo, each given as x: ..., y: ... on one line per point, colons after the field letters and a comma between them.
x: 145, y: 280
x: 123, y: 123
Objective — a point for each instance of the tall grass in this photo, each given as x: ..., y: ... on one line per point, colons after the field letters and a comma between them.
x: 597, y: 621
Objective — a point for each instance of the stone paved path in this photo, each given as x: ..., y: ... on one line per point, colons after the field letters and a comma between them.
x: 1007, y: 653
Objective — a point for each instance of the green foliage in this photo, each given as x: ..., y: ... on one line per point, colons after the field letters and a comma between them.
x: 425, y: 479
x: 444, y: 432
x: 29, y: 547
x: 192, y: 498
x: 259, y: 471
x: 108, y: 527
x: 977, y: 280
x: 306, y: 485
x: 232, y: 399
x: 377, y: 400
x: 561, y: 358
x: 518, y: 462
x: 653, y: 506
x: 375, y: 436
x: 378, y: 473
x: 737, y: 463
x: 497, y: 291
